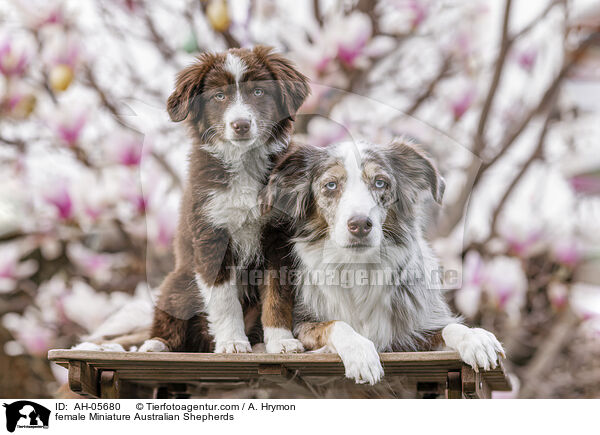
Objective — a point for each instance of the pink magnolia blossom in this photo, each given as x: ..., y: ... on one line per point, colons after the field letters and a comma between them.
x: 69, y: 129
x: 18, y: 104
x: 462, y: 103
x: 30, y: 331
x: 12, y: 269
x: 522, y: 242
x: 567, y: 252
x: 585, y: 300
x: 526, y: 59
x: 128, y: 150
x: 355, y: 31
x: 60, y: 198
x: 67, y: 54
x: 586, y: 183
x: 505, y: 283
x: 558, y: 294
x: 419, y: 12
x: 468, y: 297
x: 92, y: 264
x: 12, y: 63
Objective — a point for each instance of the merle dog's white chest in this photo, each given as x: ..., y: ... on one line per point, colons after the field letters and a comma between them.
x: 367, y: 307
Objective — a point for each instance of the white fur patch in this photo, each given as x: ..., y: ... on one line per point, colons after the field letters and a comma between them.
x: 103, y: 347
x: 358, y: 354
x: 477, y: 347
x: 225, y: 317
x: 236, y: 209
x: 235, y: 66
x: 281, y: 340
x: 153, y: 346
x: 356, y: 198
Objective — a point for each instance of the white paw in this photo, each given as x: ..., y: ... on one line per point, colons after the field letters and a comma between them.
x: 281, y: 340
x: 285, y: 345
x: 233, y: 346
x: 358, y: 354
x: 477, y: 347
x: 153, y: 345
x: 112, y: 347
x: 86, y: 345
x: 104, y: 347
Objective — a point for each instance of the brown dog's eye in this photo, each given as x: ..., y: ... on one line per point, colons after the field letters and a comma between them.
x: 219, y: 96
x: 258, y: 92
x: 332, y: 185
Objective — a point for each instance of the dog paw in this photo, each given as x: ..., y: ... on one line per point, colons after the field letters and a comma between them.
x: 86, y: 345
x: 233, y: 346
x: 480, y: 348
x: 285, y: 345
x: 104, y: 347
x: 153, y: 345
x: 358, y: 354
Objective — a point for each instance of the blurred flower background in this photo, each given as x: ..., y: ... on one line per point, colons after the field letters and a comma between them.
x: 505, y: 95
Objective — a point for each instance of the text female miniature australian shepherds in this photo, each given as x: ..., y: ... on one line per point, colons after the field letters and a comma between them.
x: 239, y: 107
x: 366, y: 280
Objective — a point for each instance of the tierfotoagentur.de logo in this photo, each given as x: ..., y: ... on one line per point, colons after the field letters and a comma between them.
x: 25, y: 414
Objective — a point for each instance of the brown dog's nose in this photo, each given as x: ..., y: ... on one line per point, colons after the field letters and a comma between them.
x: 360, y: 226
x: 241, y: 126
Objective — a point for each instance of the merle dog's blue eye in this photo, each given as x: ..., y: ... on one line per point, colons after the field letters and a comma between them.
x: 332, y: 185
x: 220, y: 96
x: 380, y: 184
x: 258, y: 92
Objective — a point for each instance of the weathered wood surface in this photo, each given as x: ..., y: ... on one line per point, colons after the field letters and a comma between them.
x: 173, y: 368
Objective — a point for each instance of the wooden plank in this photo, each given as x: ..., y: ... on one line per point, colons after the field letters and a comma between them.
x: 454, y: 386
x: 203, y: 367
x: 473, y: 384
x: 110, y: 385
x: 83, y: 379
x: 260, y: 358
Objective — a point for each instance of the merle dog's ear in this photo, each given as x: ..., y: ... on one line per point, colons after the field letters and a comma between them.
x: 292, y: 84
x: 188, y: 88
x: 288, y: 191
x: 415, y: 168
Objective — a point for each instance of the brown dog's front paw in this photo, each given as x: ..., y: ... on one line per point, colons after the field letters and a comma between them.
x: 233, y: 346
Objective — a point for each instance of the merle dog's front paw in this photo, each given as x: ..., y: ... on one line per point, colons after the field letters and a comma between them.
x: 476, y: 346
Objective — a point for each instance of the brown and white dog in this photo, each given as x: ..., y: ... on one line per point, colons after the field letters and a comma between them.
x: 239, y: 107
x: 366, y: 279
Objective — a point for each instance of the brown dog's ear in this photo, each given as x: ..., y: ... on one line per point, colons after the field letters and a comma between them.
x: 292, y: 84
x: 415, y: 168
x: 188, y: 87
x: 288, y: 191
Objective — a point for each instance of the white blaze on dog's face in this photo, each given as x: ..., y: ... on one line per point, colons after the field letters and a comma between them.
x: 353, y: 195
x: 240, y: 117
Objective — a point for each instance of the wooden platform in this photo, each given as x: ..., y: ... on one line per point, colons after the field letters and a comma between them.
x: 131, y: 374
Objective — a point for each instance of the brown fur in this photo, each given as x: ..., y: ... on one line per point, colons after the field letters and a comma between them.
x: 314, y: 335
x: 200, y: 246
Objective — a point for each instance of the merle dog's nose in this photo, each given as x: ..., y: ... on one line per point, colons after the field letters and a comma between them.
x: 241, y: 126
x: 360, y: 226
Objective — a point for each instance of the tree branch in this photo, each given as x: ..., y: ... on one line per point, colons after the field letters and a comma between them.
x: 479, y: 140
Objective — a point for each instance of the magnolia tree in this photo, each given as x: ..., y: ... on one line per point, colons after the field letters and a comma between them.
x: 504, y: 96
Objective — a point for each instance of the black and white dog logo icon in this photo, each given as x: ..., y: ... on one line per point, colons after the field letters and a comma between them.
x: 26, y: 414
